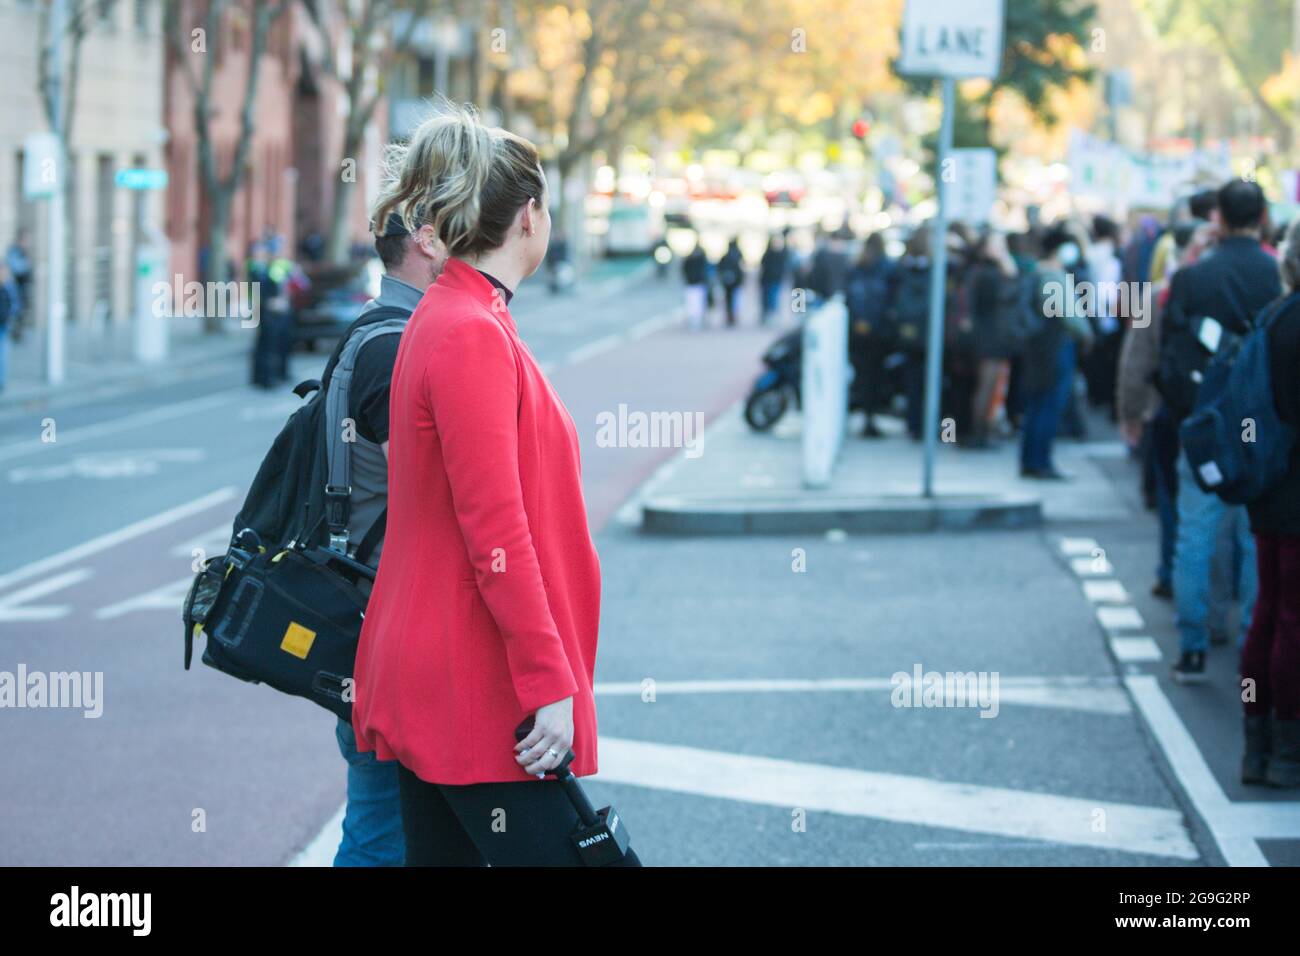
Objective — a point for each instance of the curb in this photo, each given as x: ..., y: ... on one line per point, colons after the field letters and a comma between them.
x: 882, y: 514
x: 174, y: 368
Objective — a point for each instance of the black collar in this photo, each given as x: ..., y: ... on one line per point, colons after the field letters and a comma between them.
x: 506, y: 293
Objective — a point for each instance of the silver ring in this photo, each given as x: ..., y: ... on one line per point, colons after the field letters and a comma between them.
x: 552, y: 752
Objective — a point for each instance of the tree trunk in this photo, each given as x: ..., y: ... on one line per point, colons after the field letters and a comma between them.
x: 338, y: 246
x: 217, y: 267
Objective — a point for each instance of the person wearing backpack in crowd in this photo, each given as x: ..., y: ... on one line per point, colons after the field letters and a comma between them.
x: 869, y: 294
x: 772, y: 271
x: 1231, y: 285
x: 372, y: 820
x: 911, y: 321
x: 731, y: 276
x: 1270, y: 658
x: 995, y: 297
x: 1144, y: 420
x: 486, y: 608
x: 695, y: 275
x: 1048, y: 358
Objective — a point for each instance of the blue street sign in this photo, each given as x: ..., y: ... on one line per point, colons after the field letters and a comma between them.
x: 141, y: 179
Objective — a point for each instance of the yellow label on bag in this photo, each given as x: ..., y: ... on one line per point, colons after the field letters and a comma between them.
x: 297, y: 640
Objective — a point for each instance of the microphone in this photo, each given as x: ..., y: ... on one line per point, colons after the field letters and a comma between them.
x: 600, y: 838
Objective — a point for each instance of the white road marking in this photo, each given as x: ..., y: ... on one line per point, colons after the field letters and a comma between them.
x: 1105, y: 592
x: 916, y: 801
x: 1017, y: 814
x: 1096, y: 695
x: 1074, y: 547
x: 209, y: 542
x: 108, y: 465
x: 168, y: 597
x: 1223, y: 819
x: 1135, y: 650
x: 1092, y: 567
x: 10, y: 604
x: 114, y: 538
x: 320, y: 851
x: 116, y: 426
x: 1119, y: 618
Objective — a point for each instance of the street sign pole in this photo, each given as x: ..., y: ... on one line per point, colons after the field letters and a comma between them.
x: 57, y: 253
x: 938, y: 289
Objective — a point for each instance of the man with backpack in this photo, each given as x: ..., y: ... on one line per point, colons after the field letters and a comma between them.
x: 1220, y: 295
x: 372, y: 822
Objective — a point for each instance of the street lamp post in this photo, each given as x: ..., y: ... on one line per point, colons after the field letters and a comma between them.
x: 56, y: 263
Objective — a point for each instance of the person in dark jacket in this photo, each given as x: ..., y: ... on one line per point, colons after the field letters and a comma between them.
x: 695, y: 276
x: 910, y: 318
x: 1270, y: 658
x: 731, y: 276
x: 1048, y: 360
x: 772, y: 270
x: 1232, y: 284
x: 994, y: 300
x: 869, y: 298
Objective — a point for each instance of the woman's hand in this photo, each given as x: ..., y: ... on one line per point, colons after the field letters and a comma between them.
x: 550, y: 740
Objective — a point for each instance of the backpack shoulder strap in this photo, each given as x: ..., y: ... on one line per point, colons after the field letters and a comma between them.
x: 338, y: 453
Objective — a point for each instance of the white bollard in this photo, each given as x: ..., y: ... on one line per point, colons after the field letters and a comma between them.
x: 825, y: 390
x: 152, y: 330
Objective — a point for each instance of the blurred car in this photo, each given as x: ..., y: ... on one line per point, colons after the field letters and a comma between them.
x: 784, y: 190
x: 333, y: 300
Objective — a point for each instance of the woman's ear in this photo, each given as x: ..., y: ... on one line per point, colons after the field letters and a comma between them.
x: 527, y: 220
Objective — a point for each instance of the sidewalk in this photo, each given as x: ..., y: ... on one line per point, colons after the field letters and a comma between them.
x: 100, y: 357
x: 742, y: 474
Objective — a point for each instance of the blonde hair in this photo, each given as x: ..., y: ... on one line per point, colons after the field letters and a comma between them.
x: 465, y: 179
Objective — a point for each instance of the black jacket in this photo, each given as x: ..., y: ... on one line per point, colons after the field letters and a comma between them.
x: 1278, y: 512
x: 1231, y: 284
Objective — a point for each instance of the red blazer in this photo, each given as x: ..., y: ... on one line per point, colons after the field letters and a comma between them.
x: 487, y: 599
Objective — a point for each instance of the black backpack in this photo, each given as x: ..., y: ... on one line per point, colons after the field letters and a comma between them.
x: 1184, y: 356
x: 912, y: 307
x: 284, y: 605
x: 286, y: 501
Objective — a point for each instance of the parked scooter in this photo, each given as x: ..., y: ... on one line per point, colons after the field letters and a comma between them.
x: 779, y: 386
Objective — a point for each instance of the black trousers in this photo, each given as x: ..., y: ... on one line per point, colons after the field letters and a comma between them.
x: 489, y: 824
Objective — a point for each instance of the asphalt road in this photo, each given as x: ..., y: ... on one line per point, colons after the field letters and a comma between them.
x: 745, y: 686
x: 103, y: 523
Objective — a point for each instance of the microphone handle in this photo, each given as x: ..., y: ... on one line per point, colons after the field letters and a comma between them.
x: 578, y: 797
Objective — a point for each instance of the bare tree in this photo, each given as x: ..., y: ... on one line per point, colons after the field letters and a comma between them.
x: 196, y: 51
x: 376, y: 39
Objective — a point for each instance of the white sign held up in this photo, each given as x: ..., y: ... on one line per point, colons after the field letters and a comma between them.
x: 970, y: 185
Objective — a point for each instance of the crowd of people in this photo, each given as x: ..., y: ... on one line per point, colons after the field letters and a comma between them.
x: 1125, y: 318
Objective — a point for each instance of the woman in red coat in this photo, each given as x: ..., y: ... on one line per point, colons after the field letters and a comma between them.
x: 487, y: 601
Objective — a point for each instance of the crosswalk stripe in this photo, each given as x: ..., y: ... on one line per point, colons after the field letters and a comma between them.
x: 1101, y: 695
x: 1016, y: 814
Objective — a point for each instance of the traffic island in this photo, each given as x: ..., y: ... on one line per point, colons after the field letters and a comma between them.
x: 816, y: 513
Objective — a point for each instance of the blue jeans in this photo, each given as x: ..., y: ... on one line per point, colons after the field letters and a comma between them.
x: 1163, y: 436
x: 372, y: 823
x: 1199, y: 519
x: 1043, y: 412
